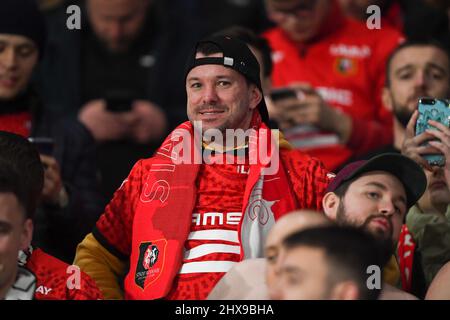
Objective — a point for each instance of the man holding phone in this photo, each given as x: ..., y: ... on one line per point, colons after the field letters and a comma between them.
x: 70, y: 199
x: 124, y: 85
x: 336, y: 67
x: 422, y: 69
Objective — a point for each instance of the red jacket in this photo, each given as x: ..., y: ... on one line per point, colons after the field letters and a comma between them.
x: 346, y: 64
x: 152, y: 212
x: 56, y: 281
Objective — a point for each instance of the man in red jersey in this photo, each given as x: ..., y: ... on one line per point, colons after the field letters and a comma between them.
x: 27, y: 273
x: 180, y: 223
x: 337, y: 67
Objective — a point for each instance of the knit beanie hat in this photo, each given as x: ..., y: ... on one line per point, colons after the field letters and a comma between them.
x: 23, y: 17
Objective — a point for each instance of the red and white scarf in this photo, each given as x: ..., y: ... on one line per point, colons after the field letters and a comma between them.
x: 163, y: 215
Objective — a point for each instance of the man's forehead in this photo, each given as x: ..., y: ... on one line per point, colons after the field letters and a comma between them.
x: 116, y: 7
x: 15, y: 39
x: 382, y: 178
x: 212, y: 70
x: 9, y: 205
x: 417, y: 55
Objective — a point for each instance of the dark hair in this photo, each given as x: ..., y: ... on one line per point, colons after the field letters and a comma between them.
x: 251, y: 39
x: 11, y: 183
x: 23, y: 157
x: 409, y: 44
x: 342, y: 189
x: 208, y: 48
x: 349, y: 251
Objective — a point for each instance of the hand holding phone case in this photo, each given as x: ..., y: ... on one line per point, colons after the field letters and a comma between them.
x: 437, y: 110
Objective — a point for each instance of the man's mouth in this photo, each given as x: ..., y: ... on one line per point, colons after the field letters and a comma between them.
x: 438, y: 185
x: 384, y: 223
x: 211, y: 112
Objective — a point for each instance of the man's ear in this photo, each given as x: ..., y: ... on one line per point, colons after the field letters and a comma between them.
x: 255, y: 97
x: 386, y: 98
x: 347, y: 290
x: 330, y: 204
x: 27, y: 234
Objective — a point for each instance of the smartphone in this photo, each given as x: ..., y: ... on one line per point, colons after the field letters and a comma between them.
x: 437, y: 110
x: 282, y: 93
x: 119, y: 101
x: 44, y: 145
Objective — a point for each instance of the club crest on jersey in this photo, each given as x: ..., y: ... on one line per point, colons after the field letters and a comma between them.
x: 150, y: 263
x: 345, y: 66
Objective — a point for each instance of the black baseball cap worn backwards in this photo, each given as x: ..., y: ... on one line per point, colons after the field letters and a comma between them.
x: 406, y: 170
x: 237, y: 56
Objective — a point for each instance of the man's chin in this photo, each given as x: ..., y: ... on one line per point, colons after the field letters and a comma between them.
x: 379, y: 233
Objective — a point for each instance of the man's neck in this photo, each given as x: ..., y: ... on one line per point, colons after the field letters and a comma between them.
x: 433, y: 208
x: 399, y: 134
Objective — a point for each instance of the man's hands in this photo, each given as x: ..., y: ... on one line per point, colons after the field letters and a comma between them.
x: 150, y: 123
x: 143, y: 123
x: 443, y: 134
x: 412, y: 144
x: 309, y: 108
x: 53, y: 191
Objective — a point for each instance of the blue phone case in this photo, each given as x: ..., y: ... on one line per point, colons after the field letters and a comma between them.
x: 437, y: 110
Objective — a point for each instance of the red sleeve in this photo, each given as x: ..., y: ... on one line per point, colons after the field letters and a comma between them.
x: 308, y: 177
x: 114, y: 227
x: 88, y: 290
x: 367, y: 135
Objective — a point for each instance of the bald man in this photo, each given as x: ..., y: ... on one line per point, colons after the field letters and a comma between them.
x: 257, y: 279
x: 440, y: 287
x: 250, y: 279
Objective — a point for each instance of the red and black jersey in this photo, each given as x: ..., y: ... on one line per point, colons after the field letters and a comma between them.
x: 346, y: 65
x: 213, y: 236
x: 56, y: 280
x: 18, y: 123
x: 212, y: 247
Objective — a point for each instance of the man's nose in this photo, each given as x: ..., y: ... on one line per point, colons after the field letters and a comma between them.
x: 437, y: 171
x: 387, y: 207
x: 209, y: 95
x: 420, y: 80
x: 9, y: 58
x: 115, y: 30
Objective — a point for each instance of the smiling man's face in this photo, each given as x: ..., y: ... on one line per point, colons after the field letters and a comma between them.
x: 220, y: 97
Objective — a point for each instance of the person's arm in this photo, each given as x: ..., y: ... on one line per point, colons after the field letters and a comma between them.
x: 102, y: 266
x: 309, y: 178
x: 104, y: 253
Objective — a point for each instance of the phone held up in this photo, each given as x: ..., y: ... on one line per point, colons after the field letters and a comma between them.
x: 282, y: 93
x: 437, y: 110
x: 44, y: 145
x: 119, y: 100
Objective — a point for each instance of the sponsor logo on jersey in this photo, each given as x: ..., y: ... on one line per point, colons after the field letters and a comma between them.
x: 335, y: 95
x: 350, y: 51
x: 216, y: 218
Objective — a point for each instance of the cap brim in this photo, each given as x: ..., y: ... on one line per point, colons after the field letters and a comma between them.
x: 409, y: 173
